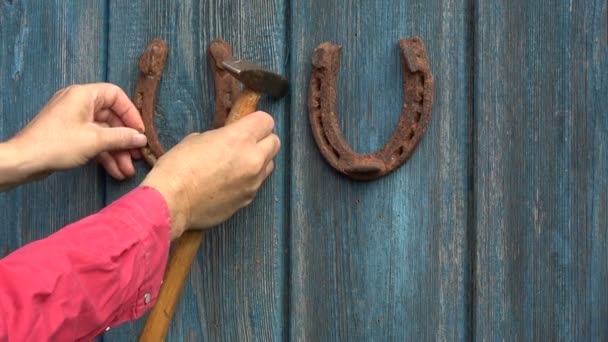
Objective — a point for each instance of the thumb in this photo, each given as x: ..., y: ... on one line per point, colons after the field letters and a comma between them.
x: 120, y: 138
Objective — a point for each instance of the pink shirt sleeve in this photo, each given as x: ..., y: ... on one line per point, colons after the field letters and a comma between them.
x: 101, y: 271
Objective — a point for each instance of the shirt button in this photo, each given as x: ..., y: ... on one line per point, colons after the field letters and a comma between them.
x: 147, y: 298
x: 108, y: 328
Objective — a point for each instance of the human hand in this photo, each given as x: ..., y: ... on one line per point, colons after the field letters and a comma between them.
x: 207, y: 177
x: 79, y: 123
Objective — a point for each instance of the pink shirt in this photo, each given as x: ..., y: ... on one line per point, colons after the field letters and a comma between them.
x: 101, y: 271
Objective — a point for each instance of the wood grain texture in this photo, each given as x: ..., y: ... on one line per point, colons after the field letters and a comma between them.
x: 541, y: 171
x: 45, y: 46
x: 383, y: 260
x: 496, y: 229
x: 237, y: 288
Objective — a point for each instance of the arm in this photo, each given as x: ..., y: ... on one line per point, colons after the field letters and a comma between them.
x: 14, y: 169
x: 91, y: 275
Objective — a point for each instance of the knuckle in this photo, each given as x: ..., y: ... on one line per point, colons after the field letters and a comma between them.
x: 74, y: 88
x: 112, y: 88
x: 109, y: 86
x: 74, y: 91
x: 99, y: 138
x: 270, y: 167
x: 238, y: 136
x: 124, y: 137
x: 190, y: 139
x: 256, y: 163
x: 250, y: 193
x: 245, y: 135
x: 59, y: 92
x: 266, y: 119
x: 192, y: 136
x: 248, y: 200
x: 252, y: 190
x: 277, y: 141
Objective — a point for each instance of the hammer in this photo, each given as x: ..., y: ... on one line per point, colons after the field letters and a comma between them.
x: 256, y: 81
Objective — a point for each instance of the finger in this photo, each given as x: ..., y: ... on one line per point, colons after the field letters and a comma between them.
x: 126, y: 166
x: 59, y: 93
x: 135, y: 153
x: 114, y: 121
x: 103, y: 124
x: 119, y: 138
x: 107, y: 116
x: 110, y: 165
x: 111, y: 120
x: 258, y: 124
x: 268, y: 169
x: 124, y: 162
x: 270, y: 146
x: 110, y: 96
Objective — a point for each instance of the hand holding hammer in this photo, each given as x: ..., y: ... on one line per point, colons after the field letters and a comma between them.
x: 256, y: 81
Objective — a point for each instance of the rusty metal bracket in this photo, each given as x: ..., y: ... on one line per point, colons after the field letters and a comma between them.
x: 151, y: 66
x: 413, y: 122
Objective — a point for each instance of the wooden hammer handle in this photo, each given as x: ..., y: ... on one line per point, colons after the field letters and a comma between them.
x: 184, y: 251
x: 244, y: 105
x: 183, y: 254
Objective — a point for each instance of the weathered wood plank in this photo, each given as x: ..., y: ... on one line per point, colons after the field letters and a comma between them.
x: 237, y: 288
x: 383, y: 260
x: 45, y: 46
x: 541, y: 170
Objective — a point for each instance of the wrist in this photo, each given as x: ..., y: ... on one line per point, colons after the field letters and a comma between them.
x: 16, y: 166
x: 175, y: 200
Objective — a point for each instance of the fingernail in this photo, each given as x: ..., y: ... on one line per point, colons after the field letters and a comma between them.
x: 139, y: 140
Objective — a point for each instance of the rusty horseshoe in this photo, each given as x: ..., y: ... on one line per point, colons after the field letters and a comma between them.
x: 227, y: 89
x: 413, y: 122
x: 232, y: 103
x: 151, y: 66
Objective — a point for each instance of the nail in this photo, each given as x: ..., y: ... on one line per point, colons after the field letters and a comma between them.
x: 139, y: 140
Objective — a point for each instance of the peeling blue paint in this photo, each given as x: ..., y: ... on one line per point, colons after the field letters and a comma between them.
x: 20, y: 42
x: 17, y: 67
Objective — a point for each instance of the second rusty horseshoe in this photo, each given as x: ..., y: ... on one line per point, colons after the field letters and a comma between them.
x: 151, y: 66
x: 227, y: 88
x: 185, y: 248
x: 413, y: 122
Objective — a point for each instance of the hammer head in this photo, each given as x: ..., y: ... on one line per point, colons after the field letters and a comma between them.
x: 257, y: 78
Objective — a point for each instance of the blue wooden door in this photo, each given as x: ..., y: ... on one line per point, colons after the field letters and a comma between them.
x: 495, y: 229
